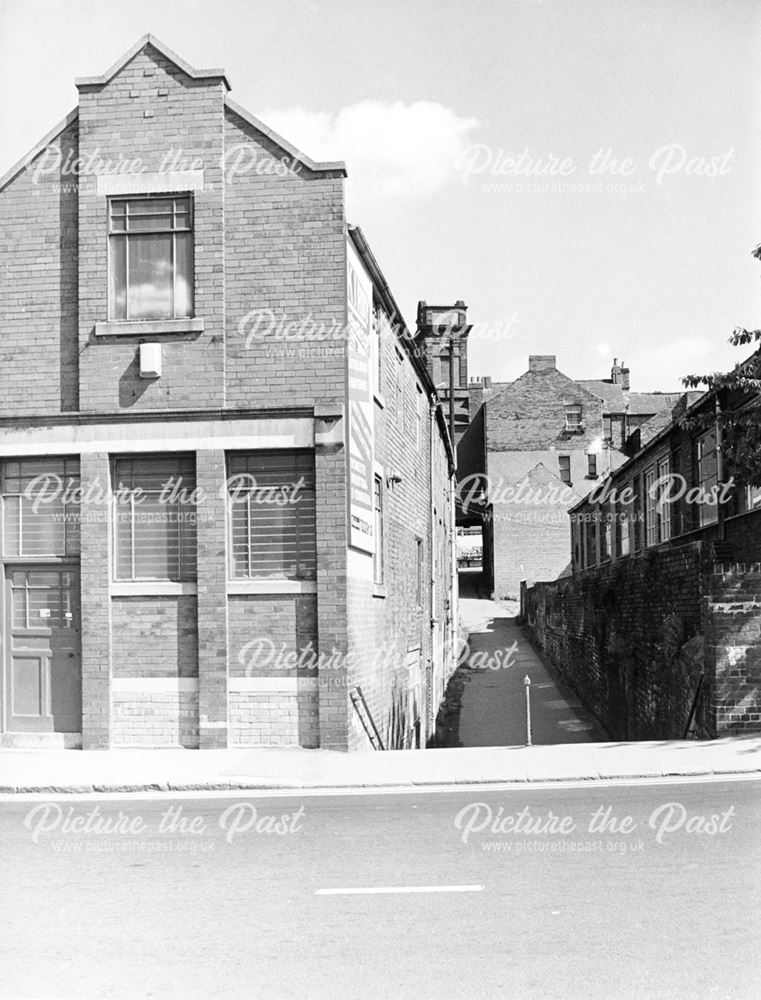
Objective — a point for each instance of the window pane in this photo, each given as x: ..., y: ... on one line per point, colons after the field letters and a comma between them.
x: 123, y: 545
x: 118, y: 278
x: 160, y: 523
x: 150, y: 277
x: 37, y: 522
x: 183, y: 285
x: 157, y: 548
x: 12, y: 525
x: 272, y: 515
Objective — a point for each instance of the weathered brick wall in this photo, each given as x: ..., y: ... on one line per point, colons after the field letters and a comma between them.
x: 285, y: 272
x: 38, y: 272
x: 633, y: 637
x: 155, y: 636
x: 149, y: 111
x: 271, y: 699
x: 530, y: 414
x: 733, y: 648
x: 391, y: 643
x: 155, y: 719
x: 628, y: 638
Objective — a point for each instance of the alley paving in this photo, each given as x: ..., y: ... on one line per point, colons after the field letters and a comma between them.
x: 486, y: 700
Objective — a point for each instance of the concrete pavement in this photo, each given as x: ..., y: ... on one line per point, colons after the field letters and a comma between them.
x: 168, y: 770
x: 486, y: 697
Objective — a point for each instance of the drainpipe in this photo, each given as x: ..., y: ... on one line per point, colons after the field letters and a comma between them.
x: 719, y: 468
x: 454, y: 600
x: 432, y: 563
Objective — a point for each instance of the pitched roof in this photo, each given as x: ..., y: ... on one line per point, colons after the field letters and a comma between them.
x: 611, y: 394
x: 196, y: 74
x: 140, y: 44
x: 642, y: 403
x: 659, y: 421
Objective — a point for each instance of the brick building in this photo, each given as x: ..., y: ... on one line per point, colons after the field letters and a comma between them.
x: 533, y: 448
x: 658, y: 626
x: 227, y: 484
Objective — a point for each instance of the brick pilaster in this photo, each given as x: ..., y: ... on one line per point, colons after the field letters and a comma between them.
x: 330, y: 479
x: 95, y: 602
x: 212, y: 600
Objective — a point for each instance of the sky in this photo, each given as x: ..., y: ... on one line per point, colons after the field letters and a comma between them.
x: 584, y: 174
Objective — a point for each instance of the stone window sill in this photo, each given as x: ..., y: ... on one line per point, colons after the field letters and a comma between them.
x: 152, y: 588
x: 147, y: 327
x: 272, y: 586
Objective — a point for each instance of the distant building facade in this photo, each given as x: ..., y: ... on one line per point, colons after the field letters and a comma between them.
x: 538, y: 445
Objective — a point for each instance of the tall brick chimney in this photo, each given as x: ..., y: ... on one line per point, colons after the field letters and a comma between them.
x: 619, y: 374
x: 542, y: 362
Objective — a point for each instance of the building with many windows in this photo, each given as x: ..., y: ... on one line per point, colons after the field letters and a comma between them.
x: 227, y: 482
x: 533, y: 448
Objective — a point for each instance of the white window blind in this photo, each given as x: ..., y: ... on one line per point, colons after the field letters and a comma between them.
x: 154, y: 518
x: 272, y: 515
x: 41, y: 507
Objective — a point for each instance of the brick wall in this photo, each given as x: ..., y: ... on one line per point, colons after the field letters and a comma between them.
x: 149, y: 111
x: 394, y: 658
x: 285, y: 264
x: 733, y: 648
x: 39, y: 272
x: 632, y: 638
x: 271, y: 699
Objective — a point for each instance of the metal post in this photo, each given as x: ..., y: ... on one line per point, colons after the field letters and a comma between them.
x: 527, y: 683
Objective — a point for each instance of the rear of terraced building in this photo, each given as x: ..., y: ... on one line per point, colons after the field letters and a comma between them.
x: 227, y: 482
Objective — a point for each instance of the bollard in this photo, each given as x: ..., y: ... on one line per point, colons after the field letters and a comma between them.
x: 527, y: 683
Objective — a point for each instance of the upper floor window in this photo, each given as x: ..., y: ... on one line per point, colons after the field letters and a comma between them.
x: 708, y: 475
x: 753, y: 497
x: 419, y: 414
x: 573, y: 416
x: 272, y: 515
x: 591, y: 466
x: 663, y: 507
x: 41, y: 507
x: 651, y: 503
x: 564, y: 466
x: 154, y: 517
x: 378, y: 567
x: 151, y: 258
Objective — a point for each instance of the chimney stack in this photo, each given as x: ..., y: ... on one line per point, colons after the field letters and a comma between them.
x: 619, y: 374
x: 542, y: 363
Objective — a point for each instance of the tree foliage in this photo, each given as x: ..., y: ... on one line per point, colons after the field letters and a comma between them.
x: 739, y: 392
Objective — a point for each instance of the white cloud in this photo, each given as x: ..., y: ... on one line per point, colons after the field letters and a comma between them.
x: 392, y: 151
x: 603, y: 350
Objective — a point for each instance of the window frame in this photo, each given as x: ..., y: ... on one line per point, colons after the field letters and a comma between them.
x: 250, y: 576
x: 70, y: 551
x: 576, y: 410
x: 112, y: 234
x: 379, y: 575
x: 561, y: 459
x: 184, y: 574
x: 707, y: 513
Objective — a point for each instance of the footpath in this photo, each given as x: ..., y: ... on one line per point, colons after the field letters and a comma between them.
x: 485, y: 701
x: 79, y: 771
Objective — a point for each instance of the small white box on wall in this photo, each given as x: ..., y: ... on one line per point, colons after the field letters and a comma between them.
x: 150, y: 361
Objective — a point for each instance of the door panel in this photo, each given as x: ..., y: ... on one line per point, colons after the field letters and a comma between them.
x: 43, y: 652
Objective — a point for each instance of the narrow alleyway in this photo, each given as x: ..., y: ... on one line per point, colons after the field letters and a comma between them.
x: 485, y: 700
